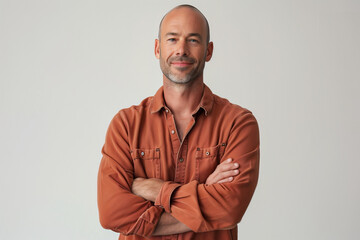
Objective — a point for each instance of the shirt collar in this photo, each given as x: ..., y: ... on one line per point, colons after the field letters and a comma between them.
x: 206, y: 102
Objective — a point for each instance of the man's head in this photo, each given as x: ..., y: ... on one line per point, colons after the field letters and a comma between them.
x: 193, y: 8
x: 183, y: 45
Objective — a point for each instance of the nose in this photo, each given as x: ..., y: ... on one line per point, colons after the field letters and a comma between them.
x: 182, y: 48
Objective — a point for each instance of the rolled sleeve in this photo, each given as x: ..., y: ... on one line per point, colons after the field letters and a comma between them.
x: 163, y: 199
x: 147, y: 222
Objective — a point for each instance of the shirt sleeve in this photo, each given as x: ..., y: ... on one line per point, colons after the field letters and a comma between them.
x: 119, y: 209
x: 222, y: 205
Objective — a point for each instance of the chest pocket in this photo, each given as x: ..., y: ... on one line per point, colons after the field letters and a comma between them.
x: 146, y: 162
x: 207, y: 160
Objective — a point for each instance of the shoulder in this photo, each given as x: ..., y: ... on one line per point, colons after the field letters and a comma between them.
x: 238, y: 119
x: 130, y: 114
x: 137, y: 109
x: 232, y: 110
x: 241, y: 121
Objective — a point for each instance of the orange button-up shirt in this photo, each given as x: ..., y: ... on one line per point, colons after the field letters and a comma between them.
x: 142, y: 141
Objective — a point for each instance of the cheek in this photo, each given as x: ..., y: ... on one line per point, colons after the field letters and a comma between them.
x: 164, y: 54
x: 163, y: 59
x: 200, y: 54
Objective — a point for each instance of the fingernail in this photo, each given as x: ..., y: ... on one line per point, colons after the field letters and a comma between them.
x: 229, y: 160
x: 236, y: 164
x: 236, y: 171
x: 230, y: 178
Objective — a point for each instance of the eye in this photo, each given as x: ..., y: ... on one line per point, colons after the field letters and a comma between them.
x: 192, y: 40
x: 171, y: 40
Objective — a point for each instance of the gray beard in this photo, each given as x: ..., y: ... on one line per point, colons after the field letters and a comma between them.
x: 175, y: 79
x: 181, y: 80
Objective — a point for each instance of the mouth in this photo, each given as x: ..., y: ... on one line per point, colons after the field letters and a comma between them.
x: 181, y: 64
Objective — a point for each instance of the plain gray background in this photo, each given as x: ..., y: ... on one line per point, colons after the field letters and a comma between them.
x: 67, y: 67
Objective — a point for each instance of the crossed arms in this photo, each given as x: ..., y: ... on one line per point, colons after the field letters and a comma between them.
x: 149, y: 207
x: 149, y: 189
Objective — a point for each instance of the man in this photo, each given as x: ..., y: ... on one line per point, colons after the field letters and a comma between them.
x: 184, y: 163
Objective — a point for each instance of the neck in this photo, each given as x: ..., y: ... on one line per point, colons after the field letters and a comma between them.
x: 183, y: 99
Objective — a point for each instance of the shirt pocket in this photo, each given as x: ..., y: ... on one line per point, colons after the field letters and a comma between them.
x: 207, y: 160
x: 146, y: 162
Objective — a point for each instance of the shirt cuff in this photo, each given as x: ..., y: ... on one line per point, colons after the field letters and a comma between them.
x: 147, y: 222
x: 163, y: 200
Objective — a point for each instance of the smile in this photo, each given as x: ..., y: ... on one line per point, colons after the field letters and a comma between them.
x: 181, y: 64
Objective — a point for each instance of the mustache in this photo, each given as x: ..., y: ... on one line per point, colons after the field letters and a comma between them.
x: 181, y: 59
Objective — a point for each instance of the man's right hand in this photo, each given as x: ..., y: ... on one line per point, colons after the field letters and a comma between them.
x: 224, y: 172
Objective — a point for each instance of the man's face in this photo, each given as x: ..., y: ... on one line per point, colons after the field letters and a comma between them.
x: 183, y: 49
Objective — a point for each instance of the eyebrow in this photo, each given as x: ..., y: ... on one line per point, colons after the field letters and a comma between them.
x: 189, y: 35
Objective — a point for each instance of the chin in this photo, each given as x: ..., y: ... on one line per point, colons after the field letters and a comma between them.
x: 179, y: 80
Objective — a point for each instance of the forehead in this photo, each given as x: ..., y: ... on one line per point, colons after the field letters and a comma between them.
x: 184, y: 21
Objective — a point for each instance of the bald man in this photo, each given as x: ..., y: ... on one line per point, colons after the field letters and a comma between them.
x: 184, y: 163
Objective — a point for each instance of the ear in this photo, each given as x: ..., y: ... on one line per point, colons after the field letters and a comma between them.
x: 209, y: 51
x: 157, y: 48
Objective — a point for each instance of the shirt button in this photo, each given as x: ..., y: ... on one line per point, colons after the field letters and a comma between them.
x: 172, y: 131
x: 207, y: 153
x: 142, y: 153
x: 181, y: 159
x: 166, y: 110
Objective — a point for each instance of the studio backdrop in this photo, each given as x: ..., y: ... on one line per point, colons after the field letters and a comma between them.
x: 67, y: 67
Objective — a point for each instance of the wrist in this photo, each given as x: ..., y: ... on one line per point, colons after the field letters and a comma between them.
x: 153, y: 187
x: 147, y: 188
x: 165, y: 194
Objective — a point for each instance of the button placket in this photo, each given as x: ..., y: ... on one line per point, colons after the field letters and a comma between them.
x: 175, y: 142
x: 179, y: 148
x: 181, y: 163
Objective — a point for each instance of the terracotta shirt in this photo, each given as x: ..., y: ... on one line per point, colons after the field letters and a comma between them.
x: 142, y: 141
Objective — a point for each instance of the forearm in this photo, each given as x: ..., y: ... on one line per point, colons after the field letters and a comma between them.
x: 149, y: 189
x: 169, y: 225
x: 119, y: 209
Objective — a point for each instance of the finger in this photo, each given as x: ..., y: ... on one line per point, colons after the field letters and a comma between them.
x: 225, y: 180
x: 218, y: 176
x: 230, y: 173
x: 227, y: 166
x: 222, y: 171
